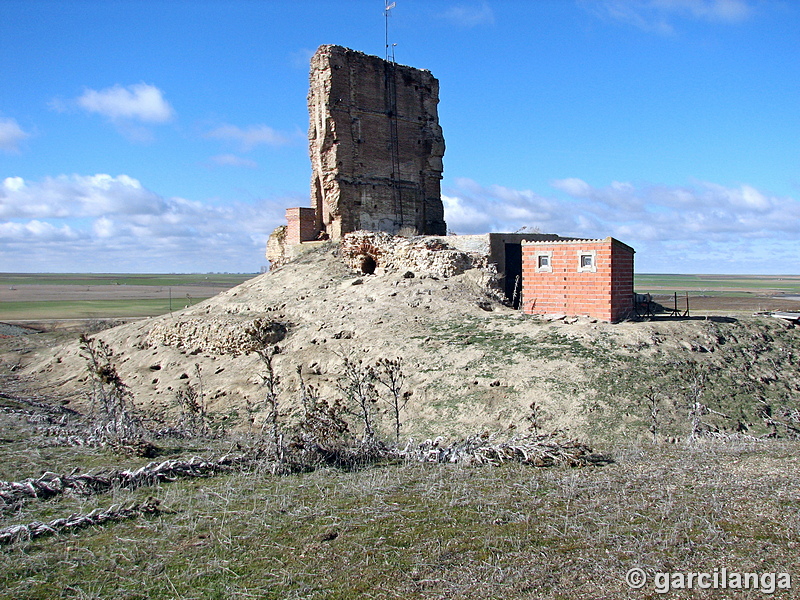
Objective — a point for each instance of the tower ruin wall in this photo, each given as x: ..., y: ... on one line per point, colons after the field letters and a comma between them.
x: 375, y: 144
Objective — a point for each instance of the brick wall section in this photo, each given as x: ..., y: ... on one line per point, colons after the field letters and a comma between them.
x: 375, y: 145
x: 622, y: 294
x: 604, y: 293
x: 301, y: 225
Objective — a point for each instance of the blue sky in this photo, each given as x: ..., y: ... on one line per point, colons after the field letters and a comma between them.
x: 169, y: 136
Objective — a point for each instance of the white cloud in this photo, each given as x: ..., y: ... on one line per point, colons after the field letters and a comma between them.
x: 14, y: 184
x: 673, y: 228
x: 472, y: 208
x: 11, y: 134
x: 464, y: 217
x: 731, y: 11
x: 114, y: 223
x: 249, y: 138
x: 573, y: 186
x: 659, y: 15
x: 704, y: 207
x: 138, y: 102
x: 470, y: 15
x: 231, y: 160
x: 76, y: 196
x: 36, y: 230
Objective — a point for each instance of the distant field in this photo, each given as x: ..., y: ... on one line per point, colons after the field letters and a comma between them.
x: 710, y: 294
x: 88, y: 309
x: 34, y: 296
x: 767, y: 285
x: 225, y: 280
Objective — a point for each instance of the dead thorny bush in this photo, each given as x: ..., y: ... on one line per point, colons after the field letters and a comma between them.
x: 111, y: 400
x: 322, y: 434
x: 536, y: 417
x: 261, y: 336
x: 389, y: 373
x: 357, y: 384
x: 96, y: 517
x: 193, y: 419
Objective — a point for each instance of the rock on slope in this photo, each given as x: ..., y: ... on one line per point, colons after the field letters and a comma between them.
x: 471, y: 363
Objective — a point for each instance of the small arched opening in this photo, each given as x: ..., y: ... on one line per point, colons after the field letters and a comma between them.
x: 368, y: 264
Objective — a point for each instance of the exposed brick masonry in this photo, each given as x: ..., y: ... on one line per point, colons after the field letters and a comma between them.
x: 375, y: 143
x: 300, y: 225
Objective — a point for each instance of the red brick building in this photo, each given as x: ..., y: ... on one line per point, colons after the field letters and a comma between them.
x: 301, y: 225
x: 578, y: 277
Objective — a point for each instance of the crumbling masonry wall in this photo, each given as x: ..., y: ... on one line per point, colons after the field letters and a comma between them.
x: 385, y: 253
x: 375, y: 143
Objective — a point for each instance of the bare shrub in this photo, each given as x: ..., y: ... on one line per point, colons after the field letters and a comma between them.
x: 389, y: 373
x: 694, y: 381
x: 358, y: 387
x: 262, y: 336
x: 111, y: 399
x: 323, y: 434
x: 536, y: 417
x: 193, y: 419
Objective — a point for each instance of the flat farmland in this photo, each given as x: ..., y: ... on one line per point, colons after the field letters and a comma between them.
x: 723, y: 293
x: 58, y: 296
x: 41, y: 296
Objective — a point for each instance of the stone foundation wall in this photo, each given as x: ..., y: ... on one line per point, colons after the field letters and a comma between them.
x: 216, y: 335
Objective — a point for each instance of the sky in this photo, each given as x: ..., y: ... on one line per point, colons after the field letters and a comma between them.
x: 170, y: 136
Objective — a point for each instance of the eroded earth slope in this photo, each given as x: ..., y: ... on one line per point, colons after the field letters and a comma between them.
x: 471, y: 363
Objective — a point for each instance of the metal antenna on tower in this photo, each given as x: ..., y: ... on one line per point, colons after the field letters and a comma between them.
x: 387, y: 8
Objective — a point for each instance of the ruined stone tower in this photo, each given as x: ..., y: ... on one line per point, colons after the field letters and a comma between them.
x: 376, y: 145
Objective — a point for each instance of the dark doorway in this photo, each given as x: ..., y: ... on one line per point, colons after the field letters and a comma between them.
x: 513, y: 274
x: 368, y: 265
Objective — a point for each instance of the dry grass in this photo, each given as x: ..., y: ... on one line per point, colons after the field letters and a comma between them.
x: 430, y: 531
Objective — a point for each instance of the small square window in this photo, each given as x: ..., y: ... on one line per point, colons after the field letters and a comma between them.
x: 544, y: 262
x: 587, y: 262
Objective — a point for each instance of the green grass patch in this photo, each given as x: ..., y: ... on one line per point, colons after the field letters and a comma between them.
x: 157, y: 279
x: 428, y: 531
x: 90, y: 309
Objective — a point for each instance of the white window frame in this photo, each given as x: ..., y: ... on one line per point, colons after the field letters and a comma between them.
x: 548, y: 268
x: 587, y: 269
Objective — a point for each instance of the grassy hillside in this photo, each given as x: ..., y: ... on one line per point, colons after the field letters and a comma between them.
x: 717, y: 488
x: 409, y: 530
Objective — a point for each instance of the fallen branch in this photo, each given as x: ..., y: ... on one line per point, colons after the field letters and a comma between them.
x: 52, y: 484
x: 37, y: 529
x: 535, y: 450
x: 39, y: 406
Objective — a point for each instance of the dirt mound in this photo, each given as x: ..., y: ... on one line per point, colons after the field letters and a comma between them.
x: 471, y: 363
